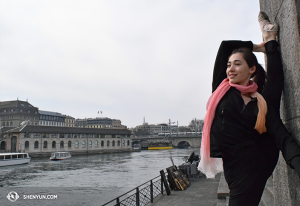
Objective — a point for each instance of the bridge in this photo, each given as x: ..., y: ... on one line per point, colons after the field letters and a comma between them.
x: 177, y: 141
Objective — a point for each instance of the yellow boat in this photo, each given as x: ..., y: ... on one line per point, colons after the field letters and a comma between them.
x: 154, y: 148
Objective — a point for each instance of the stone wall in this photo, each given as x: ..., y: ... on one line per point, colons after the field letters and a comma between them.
x: 286, y: 13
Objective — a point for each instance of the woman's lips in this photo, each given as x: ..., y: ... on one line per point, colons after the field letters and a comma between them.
x: 232, y: 75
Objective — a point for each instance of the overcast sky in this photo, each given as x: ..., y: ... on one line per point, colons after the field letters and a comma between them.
x: 126, y: 58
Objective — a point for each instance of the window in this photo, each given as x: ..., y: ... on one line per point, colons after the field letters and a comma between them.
x: 108, y: 143
x: 90, y: 143
x: 53, y: 144
x: 69, y: 144
x: 128, y: 143
x: 26, y: 135
x: 102, y: 143
x: 113, y: 143
x: 83, y: 144
x: 36, y: 144
x: 61, y: 136
x: 36, y: 135
x: 62, y: 144
x: 76, y: 144
x: 3, y: 145
x: 53, y: 135
x: 69, y: 135
x: 102, y: 136
x: 27, y: 145
x: 96, y: 143
x: 45, y: 144
x: 75, y: 136
x: 119, y: 143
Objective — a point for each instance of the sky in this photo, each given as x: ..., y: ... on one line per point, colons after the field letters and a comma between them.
x: 129, y: 59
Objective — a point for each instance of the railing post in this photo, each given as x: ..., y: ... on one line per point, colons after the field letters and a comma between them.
x: 151, y: 191
x: 118, y: 202
x: 161, y: 185
x: 137, y: 195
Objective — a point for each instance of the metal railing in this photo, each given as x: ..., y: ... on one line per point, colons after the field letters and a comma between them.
x: 140, y: 195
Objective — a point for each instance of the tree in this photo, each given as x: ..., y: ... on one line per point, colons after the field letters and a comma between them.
x: 196, y: 124
x: 184, y: 129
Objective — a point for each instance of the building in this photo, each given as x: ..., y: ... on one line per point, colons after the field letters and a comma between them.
x: 13, y: 113
x: 47, y: 118
x: 40, y: 139
x: 154, y: 129
x: 99, y: 122
x: 69, y: 121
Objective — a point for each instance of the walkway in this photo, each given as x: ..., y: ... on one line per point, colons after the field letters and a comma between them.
x: 201, y: 192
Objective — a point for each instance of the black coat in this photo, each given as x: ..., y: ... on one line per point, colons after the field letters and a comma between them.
x: 232, y: 132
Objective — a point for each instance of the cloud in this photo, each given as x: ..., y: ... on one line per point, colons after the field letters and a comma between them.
x: 128, y: 58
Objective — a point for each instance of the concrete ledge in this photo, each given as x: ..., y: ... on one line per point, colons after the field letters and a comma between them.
x: 223, y: 189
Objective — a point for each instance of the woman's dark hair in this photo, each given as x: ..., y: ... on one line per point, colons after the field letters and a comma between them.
x: 259, y: 76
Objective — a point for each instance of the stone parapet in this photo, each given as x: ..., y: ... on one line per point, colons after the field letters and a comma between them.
x: 286, y: 13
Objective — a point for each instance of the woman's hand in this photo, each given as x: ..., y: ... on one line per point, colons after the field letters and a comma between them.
x: 259, y: 47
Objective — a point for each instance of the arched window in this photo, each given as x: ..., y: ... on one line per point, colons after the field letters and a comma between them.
x: 113, y: 143
x: 119, y: 143
x: 3, y: 145
x: 96, y: 143
x: 69, y: 144
x: 62, y: 144
x: 45, y: 144
x: 27, y: 145
x: 36, y: 144
x: 90, y: 143
x: 102, y: 143
x: 83, y: 144
x: 11, y: 124
x: 128, y: 142
x: 108, y: 143
x: 53, y: 144
x: 76, y: 144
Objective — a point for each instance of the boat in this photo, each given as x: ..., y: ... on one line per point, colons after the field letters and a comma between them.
x: 158, y: 146
x: 7, y: 159
x: 60, y: 155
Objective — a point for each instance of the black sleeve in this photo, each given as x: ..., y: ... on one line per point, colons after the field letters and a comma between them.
x: 283, y: 139
x: 224, y: 52
x: 274, y: 85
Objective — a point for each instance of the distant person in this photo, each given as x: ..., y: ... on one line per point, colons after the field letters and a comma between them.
x: 242, y: 124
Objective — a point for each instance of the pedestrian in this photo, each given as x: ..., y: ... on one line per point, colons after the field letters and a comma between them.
x: 243, y: 132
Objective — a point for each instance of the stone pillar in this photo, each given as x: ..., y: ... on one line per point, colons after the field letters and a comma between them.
x: 286, y: 13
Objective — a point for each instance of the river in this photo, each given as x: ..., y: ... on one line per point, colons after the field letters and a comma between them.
x: 85, y: 180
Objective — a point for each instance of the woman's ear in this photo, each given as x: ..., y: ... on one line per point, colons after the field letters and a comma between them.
x: 252, y: 70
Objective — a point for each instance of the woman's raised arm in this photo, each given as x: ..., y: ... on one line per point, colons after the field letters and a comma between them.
x: 224, y: 52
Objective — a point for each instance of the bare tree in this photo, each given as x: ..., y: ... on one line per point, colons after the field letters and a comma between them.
x: 196, y: 124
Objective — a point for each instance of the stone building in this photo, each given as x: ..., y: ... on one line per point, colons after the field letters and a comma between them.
x: 99, y: 122
x: 286, y: 13
x: 154, y: 129
x: 13, y: 113
x: 69, y: 121
x: 41, y: 140
x: 51, y: 118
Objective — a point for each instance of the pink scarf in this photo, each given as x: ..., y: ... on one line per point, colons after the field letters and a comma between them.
x: 211, y: 166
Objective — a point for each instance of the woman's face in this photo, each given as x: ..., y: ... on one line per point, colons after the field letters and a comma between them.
x: 238, y: 71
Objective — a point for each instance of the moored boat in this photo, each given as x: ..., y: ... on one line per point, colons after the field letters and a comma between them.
x: 7, y: 159
x: 162, y: 145
x: 60, y: 155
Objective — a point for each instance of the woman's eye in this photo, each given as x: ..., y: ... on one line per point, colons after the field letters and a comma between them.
x: 228, y: 66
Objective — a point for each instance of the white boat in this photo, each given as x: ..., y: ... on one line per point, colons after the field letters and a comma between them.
x: 60, y: 155
x: 7, y: 159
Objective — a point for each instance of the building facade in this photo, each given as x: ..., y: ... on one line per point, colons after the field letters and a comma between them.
x: 13, y: 113
x: 69, y: 121
x: 47, y: 118
x: 41, y: 139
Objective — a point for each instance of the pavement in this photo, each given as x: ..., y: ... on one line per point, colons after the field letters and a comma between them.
x: 201, y: 192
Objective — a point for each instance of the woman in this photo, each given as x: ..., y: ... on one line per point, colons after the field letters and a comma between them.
x: 242, y: 124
